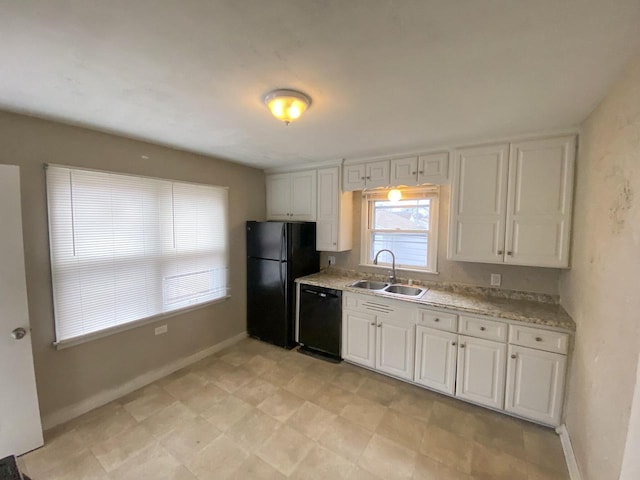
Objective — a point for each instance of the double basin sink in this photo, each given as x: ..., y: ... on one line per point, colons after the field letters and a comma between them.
x: 383, y: 287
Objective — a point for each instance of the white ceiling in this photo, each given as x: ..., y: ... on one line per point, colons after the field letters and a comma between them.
x: 385, y: 76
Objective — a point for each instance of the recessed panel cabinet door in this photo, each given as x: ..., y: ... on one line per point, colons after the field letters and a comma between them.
x: 404, y: 171
x: 396, y: 343
x: 481, y: 371
x: 354, y: 177
x: 535, y: 384
x: 303, y: 196
x: 278, y: 196
x: 378, y: 174
x: 539, y: 204
x: 328, y: 209
x: 359, y: 338
x: 478, y: 202
x: 436, y: 353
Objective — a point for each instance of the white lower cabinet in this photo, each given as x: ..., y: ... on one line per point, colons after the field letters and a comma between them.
x: 535, y: 384
x: 359, y: 338
x: 481, y: 371
x: 395, y: 341
x: 463, y: 355
x: 378, y: 334
x: 436, y: 356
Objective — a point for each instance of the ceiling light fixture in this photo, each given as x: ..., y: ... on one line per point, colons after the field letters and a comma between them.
x: 394, y: 195
x: 287, y: 105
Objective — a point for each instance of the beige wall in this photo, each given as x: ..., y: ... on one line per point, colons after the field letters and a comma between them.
x: 68, y: 376
x: 602, y: 290
x: 541, y: 280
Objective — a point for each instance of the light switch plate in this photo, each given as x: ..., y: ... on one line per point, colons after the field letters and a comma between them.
x: 496, y: 279
x: 161, y: 329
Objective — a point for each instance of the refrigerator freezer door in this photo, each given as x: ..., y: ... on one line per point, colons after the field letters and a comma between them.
x: 267, y: 240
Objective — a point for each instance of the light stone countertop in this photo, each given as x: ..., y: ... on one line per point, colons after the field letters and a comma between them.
x: 519, y: 306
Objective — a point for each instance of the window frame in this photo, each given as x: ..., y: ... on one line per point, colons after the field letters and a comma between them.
x: 368, y: 197
x: 155, y: 317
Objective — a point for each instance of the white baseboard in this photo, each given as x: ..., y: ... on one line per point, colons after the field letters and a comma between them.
x: 72, y: 411
x: 572, y: 464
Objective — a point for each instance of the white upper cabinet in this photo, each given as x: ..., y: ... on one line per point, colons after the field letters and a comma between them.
x: 366, y: 175
x: 416, y: 170
x: 478, y: 202
x: 333, y: 222
x: 292, y: 196
x: 512, y: 203
x: 539, y: 202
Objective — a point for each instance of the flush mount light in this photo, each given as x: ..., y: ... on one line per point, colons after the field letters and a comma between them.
x: 287, y: 105
x: 394, y: 195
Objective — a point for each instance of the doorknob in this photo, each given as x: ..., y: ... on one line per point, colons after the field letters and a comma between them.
x: 18, y: 333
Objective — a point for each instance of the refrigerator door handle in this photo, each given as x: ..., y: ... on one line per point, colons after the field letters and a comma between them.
x: 283, y: 240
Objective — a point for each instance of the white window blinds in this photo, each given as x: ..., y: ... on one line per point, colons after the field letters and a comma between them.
x: 126, y: 248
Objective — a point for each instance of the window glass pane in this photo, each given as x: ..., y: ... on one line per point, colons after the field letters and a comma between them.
x: 409, y: 248
x: 401, y: 215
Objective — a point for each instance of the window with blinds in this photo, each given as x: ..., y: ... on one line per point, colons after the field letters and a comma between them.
x: 407, y: 227
x: 128, y: 248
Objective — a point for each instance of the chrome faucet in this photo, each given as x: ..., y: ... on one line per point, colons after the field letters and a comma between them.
x: 392, y: 275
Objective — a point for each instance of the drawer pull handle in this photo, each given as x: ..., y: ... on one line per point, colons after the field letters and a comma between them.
x: 362, y: 178
x: 379, y: 325
x: 538, y: 339
x: 373, y: 324
x: 509, y: 253
x: 514, y: 356
x: 482, y: 329
x: 413, y: 173
x: 453, y: 344
x: 462, y: 345
x: 436, y: 319
x: 421, y: 172
x: 500, y: 252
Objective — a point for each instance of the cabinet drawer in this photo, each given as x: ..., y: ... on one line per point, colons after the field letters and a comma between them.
x: 539, y: 339
x: 439, y: 320
x: 482, y: 328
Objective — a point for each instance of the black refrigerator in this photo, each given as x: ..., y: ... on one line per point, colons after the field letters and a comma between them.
x: 277, y: 254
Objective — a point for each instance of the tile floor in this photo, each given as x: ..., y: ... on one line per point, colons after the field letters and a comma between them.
x: 255, y: 411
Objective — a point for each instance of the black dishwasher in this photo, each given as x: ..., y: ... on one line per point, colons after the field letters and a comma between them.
x: 320, y: 321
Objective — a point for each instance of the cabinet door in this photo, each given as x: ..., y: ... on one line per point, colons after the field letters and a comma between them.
x: 433, y: 168
x: 535, y: 384
x: 539, y: 204
x: 378, y: 174
x: 359, y: 338
x: 481, y: 371
x: 303, y: 196
x: 478, y: 202
x: 404, y: 171
x: 278, y: 196
x: 354, y: 177
x: 435, y: 365
x: 395, y: 347
x: 328, y: 209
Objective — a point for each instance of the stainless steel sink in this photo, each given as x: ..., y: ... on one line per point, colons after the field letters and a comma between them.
x: 405, y: 290
x: 369, y: 285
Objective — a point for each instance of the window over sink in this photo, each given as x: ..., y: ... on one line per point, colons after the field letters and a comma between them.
x: 408, y: 227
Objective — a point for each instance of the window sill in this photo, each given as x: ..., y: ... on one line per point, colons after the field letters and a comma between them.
x: 399, y: 269
x: 72, y: 342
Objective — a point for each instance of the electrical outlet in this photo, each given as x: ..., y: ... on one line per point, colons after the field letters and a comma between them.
x: 496, y: 279
x: 332, y: 260
x: 161, y: 329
